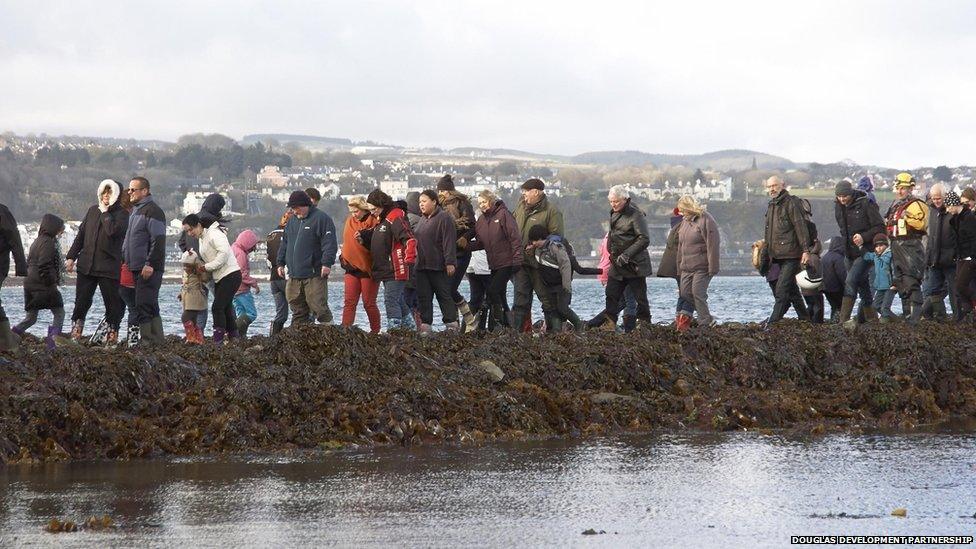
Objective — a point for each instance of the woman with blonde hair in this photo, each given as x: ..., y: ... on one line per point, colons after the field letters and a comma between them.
x: 358, y: 264
x: 496, y: 232
x: 697, y: 255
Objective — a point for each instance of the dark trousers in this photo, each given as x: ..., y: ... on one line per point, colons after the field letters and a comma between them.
x: 147, y: 296
x: 223, y: 303
x: 281, y: 302
x: 526, y: 281
x: 835, y: 299
x: 479, y: 289
x: 128, y: 296
x: 857, y: 283
x: 564, y: 311
x: 615, y: 297
x: 965, y: 272
x: 497, y: 300
x: 787, y: 293
x: 815, y: 307
x: 435, y: 283
x: 85, y: 291
x: 463, y: 260
x: 3, y: 314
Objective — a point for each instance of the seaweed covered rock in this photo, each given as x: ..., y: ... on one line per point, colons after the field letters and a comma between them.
x: 321, y: 388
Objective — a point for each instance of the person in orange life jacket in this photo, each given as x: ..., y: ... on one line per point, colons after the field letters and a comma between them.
x: 357, y: 261
x: 964, y: 226
x: 393, y: 252
x: 244, y: 306
x: 907, y: 223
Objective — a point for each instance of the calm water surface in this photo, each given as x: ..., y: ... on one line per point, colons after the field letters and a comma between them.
x: 701, y: 490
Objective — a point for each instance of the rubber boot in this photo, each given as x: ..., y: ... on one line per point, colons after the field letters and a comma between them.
x: 146, y: 334
x: 98, y: 336
x: 630, y: 323
x: 77, y: 330
x: 189, y: 332
x: 470, y: 324
x: 870, y: 315
x: 52, y: 332
x: 846, y: 307
x: 9, y: 340
x: 218, y: 335
x: 682, y: 322
x: 243, y: 323
x: 609, y: 324
x: 917, y: 307
x: 939, y: 313
x: 133, y: 337
x: 159, y: 337
x: 276, y: 327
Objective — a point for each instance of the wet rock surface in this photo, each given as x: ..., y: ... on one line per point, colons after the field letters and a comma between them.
x: 326, y: 388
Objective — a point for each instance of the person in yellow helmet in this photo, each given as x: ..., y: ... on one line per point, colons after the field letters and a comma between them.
x: 906, y: 224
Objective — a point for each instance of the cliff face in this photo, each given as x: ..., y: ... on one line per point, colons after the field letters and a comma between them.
x: 317, y: 388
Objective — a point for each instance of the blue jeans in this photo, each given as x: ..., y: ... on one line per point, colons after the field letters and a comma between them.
x: 393, y: 301
x: 857, y: 281
x: 630, y: 302
x: 883, y: 300
x: 938, y: 281
x: 244, y: 305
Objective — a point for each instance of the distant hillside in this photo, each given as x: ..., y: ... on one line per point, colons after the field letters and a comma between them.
x: 506, y: 153
x: 311, y: 142
x: 734, y: 159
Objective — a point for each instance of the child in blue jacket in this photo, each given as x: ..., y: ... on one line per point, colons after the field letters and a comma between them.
x: 884, y: 292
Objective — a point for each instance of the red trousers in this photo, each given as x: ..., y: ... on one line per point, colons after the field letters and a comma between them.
x: 367, y: 288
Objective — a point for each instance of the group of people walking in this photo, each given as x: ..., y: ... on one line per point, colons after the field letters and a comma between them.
x: 418, y: 250
x: 921, y: 250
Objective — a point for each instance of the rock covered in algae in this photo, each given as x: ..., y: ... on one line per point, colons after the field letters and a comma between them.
x: 327, y: 388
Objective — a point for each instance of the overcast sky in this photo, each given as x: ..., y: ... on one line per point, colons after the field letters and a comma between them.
x: 889, y: 83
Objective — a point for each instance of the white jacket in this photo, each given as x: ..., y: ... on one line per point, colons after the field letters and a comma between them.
x: 215, y: 253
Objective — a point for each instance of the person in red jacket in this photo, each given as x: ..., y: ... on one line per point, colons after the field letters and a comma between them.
x: 393, y: 251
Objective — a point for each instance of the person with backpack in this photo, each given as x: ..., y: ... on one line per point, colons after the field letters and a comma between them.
x: 787, y: 247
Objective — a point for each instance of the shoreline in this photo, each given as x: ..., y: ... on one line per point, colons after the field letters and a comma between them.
x: 315, y: 389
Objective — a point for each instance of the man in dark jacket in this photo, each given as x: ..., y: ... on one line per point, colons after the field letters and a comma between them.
x: 859, y: 221
x: 940, y: 252
x: 278, y: 282
x: 308, y: 249
x: 10, y: 244
x: 533, y: 209
x: 144, y: 251
x: 789, y: 245
x: 834, y: 266
x: 630, y: 264
x: 97, y: 249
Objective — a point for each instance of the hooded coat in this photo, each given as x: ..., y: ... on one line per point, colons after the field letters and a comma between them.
x: 392, y: 246
x: 458, y: 206
x: 97, y: 247
x: 496, y: 233
x: 242, y: 246
x: 834, y: 266
x: 44, y: 267
x: 355, y: 257
x: 10, y: 244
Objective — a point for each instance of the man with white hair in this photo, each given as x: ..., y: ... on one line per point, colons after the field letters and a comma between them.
x: 940, y: 251
x: 630, y: 264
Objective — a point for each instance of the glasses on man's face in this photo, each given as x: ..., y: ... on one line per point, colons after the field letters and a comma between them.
x: 131, y: 190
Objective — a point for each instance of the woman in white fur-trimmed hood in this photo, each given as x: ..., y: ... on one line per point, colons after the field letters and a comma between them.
x: 96, y: 255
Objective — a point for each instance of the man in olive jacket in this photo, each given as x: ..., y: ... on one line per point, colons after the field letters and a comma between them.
x: 630, y: 264
x: 788, y: 244
x: 533, y: 209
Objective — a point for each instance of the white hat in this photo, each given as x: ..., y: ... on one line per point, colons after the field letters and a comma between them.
x: 188, y: 258
x: 807, y: 282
